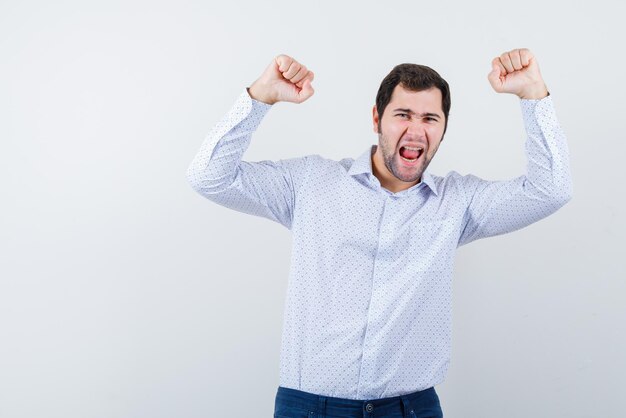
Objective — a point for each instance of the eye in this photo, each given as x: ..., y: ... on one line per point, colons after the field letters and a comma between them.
x: 403, y: 115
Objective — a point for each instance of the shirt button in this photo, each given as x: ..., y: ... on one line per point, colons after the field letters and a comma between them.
x: 369, y: 407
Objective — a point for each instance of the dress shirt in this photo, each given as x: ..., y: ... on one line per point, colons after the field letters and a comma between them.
x: 368, y: 305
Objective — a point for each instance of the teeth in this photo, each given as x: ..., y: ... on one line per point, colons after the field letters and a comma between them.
x: 414, y: 149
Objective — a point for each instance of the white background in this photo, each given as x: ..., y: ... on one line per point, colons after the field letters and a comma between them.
x: 123, y: 293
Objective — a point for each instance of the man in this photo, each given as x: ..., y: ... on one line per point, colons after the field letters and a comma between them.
x: 368, y: 310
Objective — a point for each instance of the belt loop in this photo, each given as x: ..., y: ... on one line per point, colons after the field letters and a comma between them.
x: 406, y: 406
x: 321, y: 407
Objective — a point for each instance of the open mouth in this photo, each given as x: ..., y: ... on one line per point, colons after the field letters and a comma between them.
x: 411, y: 154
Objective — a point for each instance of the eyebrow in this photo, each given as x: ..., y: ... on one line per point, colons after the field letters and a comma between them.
x: 409, y: 111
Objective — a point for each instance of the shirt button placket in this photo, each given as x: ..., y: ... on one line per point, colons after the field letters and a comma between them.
x: 386, y: 227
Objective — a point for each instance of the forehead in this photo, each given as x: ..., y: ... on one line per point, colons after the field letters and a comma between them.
x: 418, y: 101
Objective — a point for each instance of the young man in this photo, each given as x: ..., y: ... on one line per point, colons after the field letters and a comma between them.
x: 368, y: 310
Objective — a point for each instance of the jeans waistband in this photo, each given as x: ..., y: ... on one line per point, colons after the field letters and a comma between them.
x: 348, y: 407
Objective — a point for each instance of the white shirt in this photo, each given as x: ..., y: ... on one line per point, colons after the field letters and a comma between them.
x: 368, y: 307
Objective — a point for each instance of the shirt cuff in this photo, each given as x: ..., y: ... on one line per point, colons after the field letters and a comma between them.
x: 255, y: 101
x: 245, y: 109
x: 538, y: 114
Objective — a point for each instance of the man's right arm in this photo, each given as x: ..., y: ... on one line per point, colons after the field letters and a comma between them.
x: 263, y: 188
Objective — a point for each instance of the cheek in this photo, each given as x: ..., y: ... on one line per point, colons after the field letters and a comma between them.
x: 392, y: 128
x: 434, y: 136
x: 433, y: 149
x: 389, y: 144
x: 394, y: 136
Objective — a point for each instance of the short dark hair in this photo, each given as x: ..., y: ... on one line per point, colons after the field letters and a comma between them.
x: 413, y: 77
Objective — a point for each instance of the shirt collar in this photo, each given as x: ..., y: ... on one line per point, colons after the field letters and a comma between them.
x: 363, y: 165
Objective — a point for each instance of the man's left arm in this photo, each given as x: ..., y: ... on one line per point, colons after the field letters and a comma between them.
x: 498, y: 207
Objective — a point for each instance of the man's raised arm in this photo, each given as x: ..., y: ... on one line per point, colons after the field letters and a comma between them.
x: 265, y: 188
x: 497, y: 207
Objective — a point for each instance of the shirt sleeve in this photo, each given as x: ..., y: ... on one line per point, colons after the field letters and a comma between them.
x: 498, y: 207
x: 217, y: 172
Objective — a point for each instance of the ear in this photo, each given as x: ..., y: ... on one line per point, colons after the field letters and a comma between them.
x: 375, y: 120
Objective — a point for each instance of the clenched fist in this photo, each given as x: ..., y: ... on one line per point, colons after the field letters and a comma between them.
x: 517, y: 72
x: 284, y: 80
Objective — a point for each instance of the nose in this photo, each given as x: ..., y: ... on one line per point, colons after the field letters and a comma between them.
x: 416, y: 129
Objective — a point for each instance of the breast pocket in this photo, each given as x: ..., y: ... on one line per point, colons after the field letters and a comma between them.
x: 431, y: 245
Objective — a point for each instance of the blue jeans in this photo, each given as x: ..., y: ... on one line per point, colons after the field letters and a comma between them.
x: 292, y: 403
